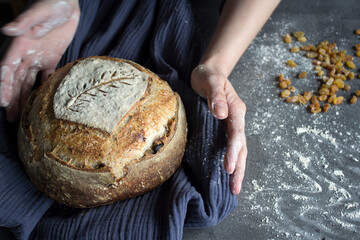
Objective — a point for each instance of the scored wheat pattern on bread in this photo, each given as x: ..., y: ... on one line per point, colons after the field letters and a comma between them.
x: 98, y: 93
x: 78, y: 102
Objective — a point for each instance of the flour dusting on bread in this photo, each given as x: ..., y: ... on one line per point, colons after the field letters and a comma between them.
x: 98, y: 93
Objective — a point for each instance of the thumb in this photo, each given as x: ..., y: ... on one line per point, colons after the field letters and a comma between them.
x: 216, y: 98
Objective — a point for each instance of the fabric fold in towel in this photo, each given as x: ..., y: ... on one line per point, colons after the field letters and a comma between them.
x: 160, y: 35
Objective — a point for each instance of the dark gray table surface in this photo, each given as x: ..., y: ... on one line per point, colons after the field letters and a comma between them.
x: 303, y: 170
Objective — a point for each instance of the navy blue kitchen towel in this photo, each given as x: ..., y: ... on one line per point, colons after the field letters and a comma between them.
x: 160, y: 35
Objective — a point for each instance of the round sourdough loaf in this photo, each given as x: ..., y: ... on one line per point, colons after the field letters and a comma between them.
x: 100, y: 130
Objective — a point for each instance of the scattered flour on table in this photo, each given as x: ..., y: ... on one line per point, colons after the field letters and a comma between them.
x: 302, y: 166
x: 316, y: 132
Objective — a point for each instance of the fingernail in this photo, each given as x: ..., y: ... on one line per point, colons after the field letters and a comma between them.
x: 219, y: 110
x: 11, y: 30
x: 236, y: 192
x: 3, y: 101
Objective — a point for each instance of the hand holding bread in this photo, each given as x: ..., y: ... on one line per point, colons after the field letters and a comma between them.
x: 41, y: 36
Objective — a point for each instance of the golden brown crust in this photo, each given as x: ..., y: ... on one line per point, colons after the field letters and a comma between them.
x: 83, y: 166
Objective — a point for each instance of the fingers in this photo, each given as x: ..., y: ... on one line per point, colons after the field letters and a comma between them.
x: 7, y: 78
x: 22, y: 88
x: 237, y: 177
x: 6, y: 85
x: 26, y: 88
x: 41, y: 18
x: 8, y: 67
x: 15, y: 84
x: 235, y: 128
x: 236, y: 152
x: 12, y: 110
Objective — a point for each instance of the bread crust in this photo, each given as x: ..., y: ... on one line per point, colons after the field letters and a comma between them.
x: 82, y: 166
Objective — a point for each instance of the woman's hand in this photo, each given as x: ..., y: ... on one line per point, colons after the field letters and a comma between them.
x: 42, y: 35
x: 239, y: 23
x: 224, y: 103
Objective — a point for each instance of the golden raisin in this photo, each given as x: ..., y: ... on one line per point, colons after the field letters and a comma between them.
x: 302, y: 39
x: 357, y: 53
x: 351, y: 75
x: 357, y: 92
x: 331, y: 46
x: 287, y: 38
x: 324, y: 91
x: 348, y: 58
x: 339, y: 64
x: 357, y: 31
x: 334, y: 88
x: 330, y: 81
x: 291, y: 88
x: 346, y: 87
x: 350, y: 64
x: 295, y: 49
x: 341, y: 76
x: 306, y: 47
x: 340, y: 83
x: 312, y: 48
x: 331, y: 98
x: 285, y: 93
x: 326, y: 58
x: 299, y: 34
x: 291, y: 63
x: 302, y: 75
x: 338, y: 100
x: 301, y: 99
x: 314, y: 99
x: 316, y: 62
x: 326, y: 107
x: 317, y: 68
x: 357, y: 46
x: 320, y: 73
x: 308, y: 95
x: 322, y: 51
x: 353, y: 100
x: 281, y: 77
x: 311, y: 54
x: 283, y: 84
x: 314, y: 109
x: 288, y: 81
x: 325, y: 86
x: 322, y: 98
x: 292, y: 99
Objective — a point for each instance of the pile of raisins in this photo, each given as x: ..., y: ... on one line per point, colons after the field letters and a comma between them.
x: 334, y: 68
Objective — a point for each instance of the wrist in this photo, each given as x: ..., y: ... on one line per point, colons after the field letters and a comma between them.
x: 216, y: 64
